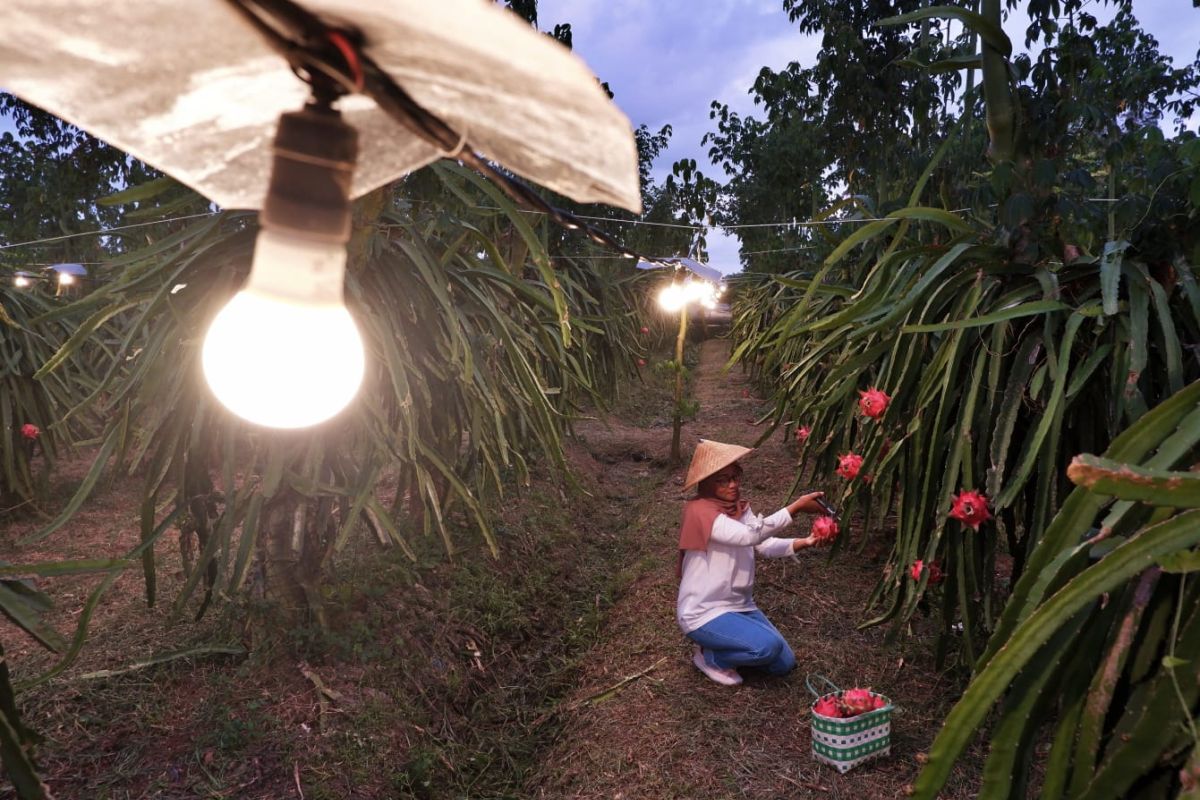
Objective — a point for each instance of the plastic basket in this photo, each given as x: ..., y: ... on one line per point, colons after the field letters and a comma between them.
x: 844, y: 743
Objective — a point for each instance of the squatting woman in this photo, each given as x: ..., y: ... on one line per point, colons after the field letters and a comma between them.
x: 718, y: 541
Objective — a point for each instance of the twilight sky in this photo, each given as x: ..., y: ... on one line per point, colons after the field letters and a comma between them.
x: 667, y: 60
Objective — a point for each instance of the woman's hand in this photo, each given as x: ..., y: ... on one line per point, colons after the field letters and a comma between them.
x: 806, y: 503
x: 800, y: 544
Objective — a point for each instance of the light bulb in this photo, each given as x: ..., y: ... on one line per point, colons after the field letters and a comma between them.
x: 285, y: 352
x: 65, y: 279
x: 21, y: 281
x: 672, y: 297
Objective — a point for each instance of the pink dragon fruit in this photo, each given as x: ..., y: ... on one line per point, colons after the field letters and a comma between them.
x: 824, y: 529
x: 849, y: 465
x: 827, y: 707
x: 803, y: 432
x: 919, y: 568
x: 971, y: 509
x: 873, y: 402
x: 30, y: 431
x: 857, y: 701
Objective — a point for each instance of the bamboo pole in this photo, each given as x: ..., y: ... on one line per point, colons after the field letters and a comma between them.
x: 676, y: 456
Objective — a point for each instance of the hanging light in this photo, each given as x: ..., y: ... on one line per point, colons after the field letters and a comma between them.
x: 285, y: 352
x: 22, y: 281
x: 674, y: 296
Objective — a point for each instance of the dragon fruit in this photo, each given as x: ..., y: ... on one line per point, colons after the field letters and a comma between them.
x: 641, y: 362
x: 857, y: 701
x: 824, y: 529
x: 803, y: 432
x: 849, y: 465
x: 645, y: 330
x: 827, y: 707
x: 919, y: 567
x: 878, y: 702
x: 873, y: 402
x: 971, y: 509
x: 30, y: 431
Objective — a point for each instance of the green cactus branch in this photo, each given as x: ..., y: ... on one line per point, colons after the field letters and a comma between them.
x: 1131, y: 482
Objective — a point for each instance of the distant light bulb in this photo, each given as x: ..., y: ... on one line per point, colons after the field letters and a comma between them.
x: 285, y: 352
x: 65, y: 279
x: 673, y: 297
x: 21, y: 282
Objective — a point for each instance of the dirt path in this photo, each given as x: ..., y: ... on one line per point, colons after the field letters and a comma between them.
x: 670, y: 733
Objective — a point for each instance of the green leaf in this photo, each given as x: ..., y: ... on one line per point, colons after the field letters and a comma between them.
x: 1110, y: 273
x: 1022, y: 310
x: 989, y: 31
x: 946, y: 64
x: 84, y: 490
x: 935, y: 215
x: 994, y: 679
x: 1132, y: 482
x: 1171, y: 662
x: 863, y: 234
x: 52, y: 569
x: 27, y: 616
x: 142, y: 191
x: 1183, y: 561
x: 167, y: 658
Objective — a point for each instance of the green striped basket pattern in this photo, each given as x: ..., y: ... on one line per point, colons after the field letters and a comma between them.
x: 846, y: 743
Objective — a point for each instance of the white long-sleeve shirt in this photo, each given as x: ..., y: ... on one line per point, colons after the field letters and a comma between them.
x: 721, y: 579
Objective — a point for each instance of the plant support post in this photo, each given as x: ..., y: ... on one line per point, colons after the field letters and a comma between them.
x: 676, y: 457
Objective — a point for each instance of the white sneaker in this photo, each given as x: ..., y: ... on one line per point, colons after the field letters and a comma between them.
x: 725, y: 677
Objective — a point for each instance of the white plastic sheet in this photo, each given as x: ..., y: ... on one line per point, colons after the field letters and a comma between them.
x: 192, y: 89
x: 695, y: 267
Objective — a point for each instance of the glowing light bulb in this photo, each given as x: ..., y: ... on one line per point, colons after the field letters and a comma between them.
x: 21, y: 282
x: 285, y: 352
x: 65, y: 279
x: 673, y: 297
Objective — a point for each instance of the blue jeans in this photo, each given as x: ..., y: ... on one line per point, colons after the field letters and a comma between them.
x: 744, y: 639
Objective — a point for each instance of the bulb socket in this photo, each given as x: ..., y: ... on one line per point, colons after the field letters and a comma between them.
x: 309, y: 193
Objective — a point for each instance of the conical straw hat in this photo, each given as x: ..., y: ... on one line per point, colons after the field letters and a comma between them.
x: 710, y: 458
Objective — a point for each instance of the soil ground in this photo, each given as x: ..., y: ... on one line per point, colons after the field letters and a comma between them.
x: 555, y: 671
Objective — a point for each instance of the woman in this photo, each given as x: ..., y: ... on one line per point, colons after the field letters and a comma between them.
x: 718, y: 540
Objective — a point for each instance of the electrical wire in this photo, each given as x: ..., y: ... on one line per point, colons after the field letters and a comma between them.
x: 105, y: 231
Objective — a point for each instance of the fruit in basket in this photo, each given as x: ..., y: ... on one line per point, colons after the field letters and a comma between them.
x: 857, y: 701
x: 827, y: 707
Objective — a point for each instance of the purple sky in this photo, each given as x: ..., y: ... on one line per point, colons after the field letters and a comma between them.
x: 667, y: 61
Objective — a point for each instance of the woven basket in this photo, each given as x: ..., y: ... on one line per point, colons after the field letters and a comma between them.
x: 844, y: 743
